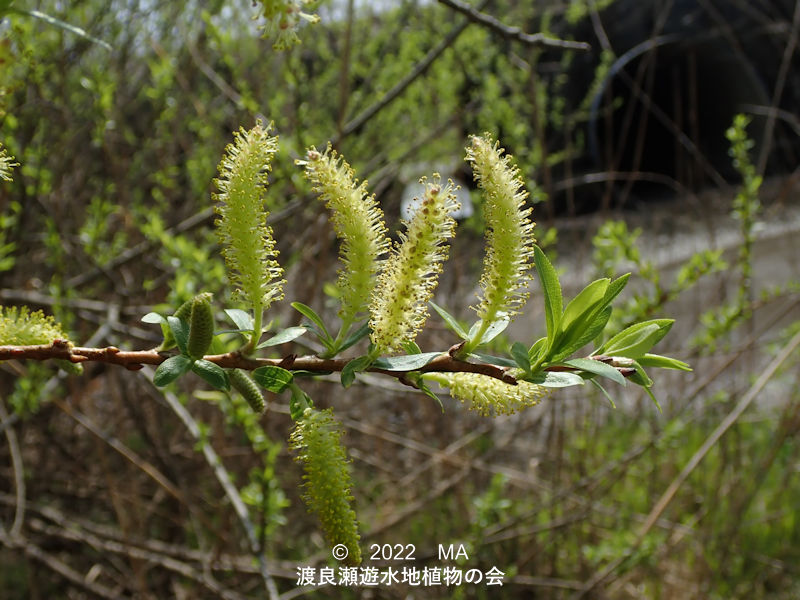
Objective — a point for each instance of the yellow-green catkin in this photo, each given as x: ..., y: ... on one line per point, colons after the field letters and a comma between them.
x: 248, y: 388
x: 317, y: 439
x: 359, y: 225
x: 21, y: 327
x: 487, y: 395
x: 283, y: 17
x: 399, y: 304
x: 6, y: 164
x: 246, y: 240
x: 509, y: 230
x: 201, y: 326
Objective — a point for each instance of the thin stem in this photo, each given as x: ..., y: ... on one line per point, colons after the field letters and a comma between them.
x: 258, y: 319
x: 344, y: 330
x: 135, y: 360
x: 475, y: 340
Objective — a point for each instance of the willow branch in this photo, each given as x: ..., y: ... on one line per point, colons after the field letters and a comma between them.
x: 419, y: 69
x: 515, y: 33
x: 136, y: 359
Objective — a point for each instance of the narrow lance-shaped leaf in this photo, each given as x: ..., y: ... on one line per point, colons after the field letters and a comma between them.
x: 551, y: 287
x: 636, y: 340
x: 213, y: 374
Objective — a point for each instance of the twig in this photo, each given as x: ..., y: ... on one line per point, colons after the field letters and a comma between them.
x: 201, y: 218
x: 167, y: 562
x: 515, y: 33
x: 240, y: 563
x: 117, y: 445
x: 33, y: 551
x: 19, y: 478
x: 419, y: 69
x: 135, y: 359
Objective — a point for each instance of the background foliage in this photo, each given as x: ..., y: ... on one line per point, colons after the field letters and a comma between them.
x: 108, y: 217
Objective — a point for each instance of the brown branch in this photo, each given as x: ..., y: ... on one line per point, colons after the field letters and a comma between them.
x: 514, y: 33
x: 136, y: 359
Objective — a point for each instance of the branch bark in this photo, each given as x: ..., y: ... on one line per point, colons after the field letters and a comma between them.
x: 514, y: 33
x: 136, y: 359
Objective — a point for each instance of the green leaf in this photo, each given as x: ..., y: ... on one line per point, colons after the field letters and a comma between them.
x: 355, y: 337
x: 637, y: 339
x: 241, y: 318
x: 605, y: 393
x: 615, y: 287
x: 596, y: 367
x: 536, y: 350
x: 417, y: 380
x: 312, y: 316
x: 411, y: 347
x: 172, y: 368
x: 180, y: 330
x: 287, y: 335
x: 555, y: 379
x: 584, y: 304
x: 274, y: 379
x: 153, y: 317
x: 520, y: 354
x: 639, y: 377
x: 354, y: 366
x: 213, y: 374
x: 497, y: 327
x: 299, y: 403
x: 577, y: 338
x: 409, y: 362
x: 553, y: 299
x: 500, y: 361
x: 450, y: 320
x: 663, y: 362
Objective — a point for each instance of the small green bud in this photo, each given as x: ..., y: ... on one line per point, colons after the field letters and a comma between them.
x: 248, y: 388
x: 201, y: 326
